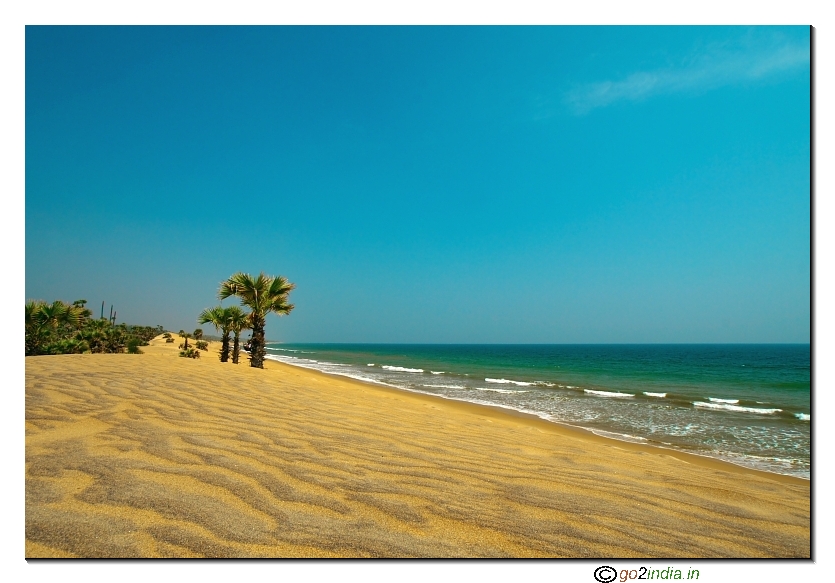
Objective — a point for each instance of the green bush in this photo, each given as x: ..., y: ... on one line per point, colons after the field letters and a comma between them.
x: 133, y: 345
x: 202, y: 345
x: 62, y: 328
x: 190, y: 353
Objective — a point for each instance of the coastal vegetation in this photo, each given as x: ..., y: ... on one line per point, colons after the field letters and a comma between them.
x: 263, y: 295
x: 238, y: 322
x: 185, y: 336
x: 190, y: 352
x: 218, y: 317
x: 199, y: 344
x: 62, y: 328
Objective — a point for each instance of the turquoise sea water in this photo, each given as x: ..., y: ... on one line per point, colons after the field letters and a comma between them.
x: 748, y: 404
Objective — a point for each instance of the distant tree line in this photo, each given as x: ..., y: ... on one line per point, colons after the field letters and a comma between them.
x: 61, y: 328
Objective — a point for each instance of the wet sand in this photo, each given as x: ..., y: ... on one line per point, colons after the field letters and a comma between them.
x: 153, y: 455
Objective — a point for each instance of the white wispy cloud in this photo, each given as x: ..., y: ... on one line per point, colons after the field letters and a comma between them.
x: 713, y: 68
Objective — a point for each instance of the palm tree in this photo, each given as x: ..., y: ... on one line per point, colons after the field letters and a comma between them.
x: 35, y: 329
x: 45, y: 320
x: 102, y: 337
x: 219, y: 318
x: 262, y: 295
x: 186, y: 336
x: 198, y: 334
x: 238, y: 322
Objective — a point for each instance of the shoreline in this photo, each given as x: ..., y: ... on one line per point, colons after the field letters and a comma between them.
x: 160, y: 456
x: 688, y: 457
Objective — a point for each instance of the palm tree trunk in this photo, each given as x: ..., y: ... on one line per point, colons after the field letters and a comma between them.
x: 224, y: 347
x: 236, y: 350
x: 256, y: 352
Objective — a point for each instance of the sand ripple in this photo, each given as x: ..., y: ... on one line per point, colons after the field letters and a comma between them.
x: 153, y: 455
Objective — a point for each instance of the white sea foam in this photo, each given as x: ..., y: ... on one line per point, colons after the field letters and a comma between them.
x: 446, y: 386
x: 607, y: 394
x: 365, y: 379
x: 507, y: 382
x: 326, y: 367
x: 736, y: 408
x: 619, y: 436
x: 729, y: 401
x: 402, y: 368
x: 370, y: 364
x: 436, y: 371
x: 504, y: 391
x: 804, y: 416
x: 661, y: 395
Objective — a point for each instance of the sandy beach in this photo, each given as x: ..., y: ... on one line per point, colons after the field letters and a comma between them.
x: 153, y: 455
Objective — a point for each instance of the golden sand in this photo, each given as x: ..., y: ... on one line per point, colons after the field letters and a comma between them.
x: 153, y: 455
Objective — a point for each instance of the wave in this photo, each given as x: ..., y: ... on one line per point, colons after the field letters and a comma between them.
x: 446, y: 386
x: 729, y: 401
x: 290, y: 350
x: 295, y: 359
x: 365, y: 379
x: 436, y: 371
x: 401, y: 368
x: 504, y: 391
x: 607, y: 393
x: 325, y: 368
x: 619, y: 436
x: 507, y: 382
x: 661, y: 395
x: 804, y: 416
x: 370, y: 364
x: 736, y: 408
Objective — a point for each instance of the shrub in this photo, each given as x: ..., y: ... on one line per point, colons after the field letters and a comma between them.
x: 169, y: 340
x: 133, y: 345
x: 202, y: 345
x: 190, y: 353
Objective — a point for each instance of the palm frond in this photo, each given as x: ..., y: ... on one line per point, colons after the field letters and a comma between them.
x: 215, y: 316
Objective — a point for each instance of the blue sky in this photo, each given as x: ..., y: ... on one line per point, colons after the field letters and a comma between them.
x: 428, y: 184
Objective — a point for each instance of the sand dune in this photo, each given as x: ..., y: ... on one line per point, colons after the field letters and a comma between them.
x: 158, y: 456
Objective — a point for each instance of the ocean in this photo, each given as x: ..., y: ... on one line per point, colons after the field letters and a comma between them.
x: 749, y: 404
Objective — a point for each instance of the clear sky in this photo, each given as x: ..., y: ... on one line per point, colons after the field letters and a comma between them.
x: 428, y: 184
